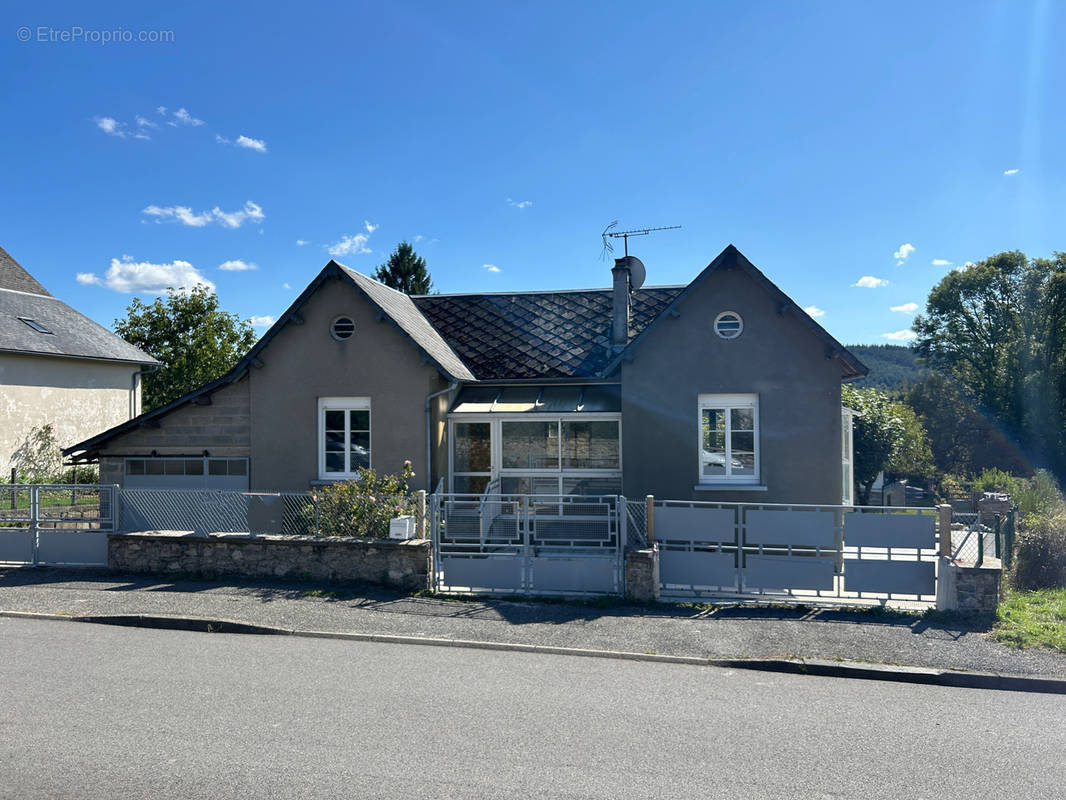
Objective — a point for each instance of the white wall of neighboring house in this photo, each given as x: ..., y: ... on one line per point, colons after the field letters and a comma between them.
x: 80, y: 397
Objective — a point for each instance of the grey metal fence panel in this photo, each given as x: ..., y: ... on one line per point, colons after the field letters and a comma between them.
x: 877, y: 576
x: 699, y: 569
x: 914, y: 531
x: 800, y: 527
x: 781, y: 572
x: 695, y: 524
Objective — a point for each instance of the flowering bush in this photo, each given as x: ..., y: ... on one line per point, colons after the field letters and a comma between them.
x: 364, y: 505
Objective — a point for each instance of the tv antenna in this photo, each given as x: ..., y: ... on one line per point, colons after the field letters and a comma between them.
x: 609, y: 234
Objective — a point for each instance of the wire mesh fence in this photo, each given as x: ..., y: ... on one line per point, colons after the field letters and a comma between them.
x: 976, y: 536
x: 636, y: 523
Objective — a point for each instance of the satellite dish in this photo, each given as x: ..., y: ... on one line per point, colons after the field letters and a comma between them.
x: 637, y: 273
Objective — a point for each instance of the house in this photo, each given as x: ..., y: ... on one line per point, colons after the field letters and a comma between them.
x: 58, y: 368
x: 720, y: 390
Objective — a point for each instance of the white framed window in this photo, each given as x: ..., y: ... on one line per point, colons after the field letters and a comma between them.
x: 343, y: 436
x: 729, y: 438
x: 728, y: 325
x: 847, y: 455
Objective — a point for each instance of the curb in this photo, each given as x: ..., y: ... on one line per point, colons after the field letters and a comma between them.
x: 830, y: 669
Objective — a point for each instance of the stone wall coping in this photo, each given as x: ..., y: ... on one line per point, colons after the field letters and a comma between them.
x: 990, y: 564
x: 280, y: 539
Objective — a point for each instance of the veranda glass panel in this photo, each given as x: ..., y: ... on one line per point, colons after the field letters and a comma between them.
x: 590, y: 445
x: 530, y: 445
x: 470, y: 484
x: 473, y: 447
x: 529, y: 484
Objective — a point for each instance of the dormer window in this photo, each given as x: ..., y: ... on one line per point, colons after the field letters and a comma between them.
x: 36, y: 326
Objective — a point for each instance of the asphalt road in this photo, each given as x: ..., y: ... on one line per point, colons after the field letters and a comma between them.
x: 96, y: 711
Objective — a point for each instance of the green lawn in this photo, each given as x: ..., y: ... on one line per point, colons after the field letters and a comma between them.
x: 1033, y: 619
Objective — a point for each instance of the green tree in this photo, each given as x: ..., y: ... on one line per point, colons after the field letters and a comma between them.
x: 876, y: 436
x: 195, y: 340
x: 406, y: 271
x: 997, y: 331
x: 913, y: 457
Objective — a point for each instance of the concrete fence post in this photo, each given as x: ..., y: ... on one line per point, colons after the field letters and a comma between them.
x: 420, y: 518
x: 945, y: 529
x: 649, y: 501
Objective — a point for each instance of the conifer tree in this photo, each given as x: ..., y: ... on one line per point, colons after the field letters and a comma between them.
x: 406, y: 271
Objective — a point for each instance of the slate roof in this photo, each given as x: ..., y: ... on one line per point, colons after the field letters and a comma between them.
x: 71, y: 334
x: 537, y: 335
x: 403, y: 311
x: 14, y: 277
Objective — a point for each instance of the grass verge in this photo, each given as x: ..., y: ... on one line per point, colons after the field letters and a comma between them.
x: 1033, y: 619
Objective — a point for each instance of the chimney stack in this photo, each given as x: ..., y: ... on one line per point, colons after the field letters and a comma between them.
x: 620, y: 305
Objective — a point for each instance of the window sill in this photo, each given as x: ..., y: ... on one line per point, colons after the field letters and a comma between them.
x: 729, y: 487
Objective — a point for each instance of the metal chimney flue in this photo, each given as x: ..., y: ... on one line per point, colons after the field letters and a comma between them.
x: 628, y: 273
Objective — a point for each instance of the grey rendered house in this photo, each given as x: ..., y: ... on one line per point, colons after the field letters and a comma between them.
x: 720, y: 390
x: 58, y: 368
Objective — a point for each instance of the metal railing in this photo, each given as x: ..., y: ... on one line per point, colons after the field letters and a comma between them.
x: 56, y: 524
x: 527, y: 544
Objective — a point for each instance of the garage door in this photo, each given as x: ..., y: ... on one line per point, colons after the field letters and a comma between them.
x: 228, y: 474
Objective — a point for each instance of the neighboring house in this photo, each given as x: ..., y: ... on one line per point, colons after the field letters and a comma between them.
x: 58, y: 367
x: 720, y: 390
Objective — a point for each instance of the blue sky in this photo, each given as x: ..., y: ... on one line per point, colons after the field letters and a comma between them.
x: 834, y: 143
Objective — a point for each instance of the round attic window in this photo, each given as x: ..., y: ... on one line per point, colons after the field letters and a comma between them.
x: 342, y: 328
x: 728, y: 325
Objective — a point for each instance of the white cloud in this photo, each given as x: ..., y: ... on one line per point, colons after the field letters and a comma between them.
x: 262, y: 322
x: 1011, y: 171
x: 903, y: 253
x: 221, y: 139
x: 906, y: 308
x: 418, y: 237
x: 234, y: 219
x: 370, y: 228
x: 236, y: 265
x: 186, y: 216
x: 182, y: 214
x: 285, y: 286
x: 129, y: 276
x: 347, y: 245
x: 301, y: 242
x: 490, y: 267
x: 519, y: 203
x: 185, y: 118
x: 899, y: 336
x: 870, y: 282
x: 111, y: 126
x: 145, y: 123
x: 814, y: 311
x: 162, y: 110
x: 941, y: 262
x: 251, y: 144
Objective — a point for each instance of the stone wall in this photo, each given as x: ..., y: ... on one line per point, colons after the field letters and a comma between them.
x: 642, y: 575
x: 977, y: 588
x: 401, y: 564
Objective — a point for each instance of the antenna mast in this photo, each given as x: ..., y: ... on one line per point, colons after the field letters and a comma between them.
x: 607, y: 232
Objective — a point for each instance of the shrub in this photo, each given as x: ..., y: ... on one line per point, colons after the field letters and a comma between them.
x: 364, y: 505
x: 996, y: 480
x: 1040, y: 553
x: 1039, y: 496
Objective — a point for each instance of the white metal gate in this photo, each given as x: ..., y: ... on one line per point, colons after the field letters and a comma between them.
x: 56, y: 524
x: 800, y: 551
x: 527, y: 544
